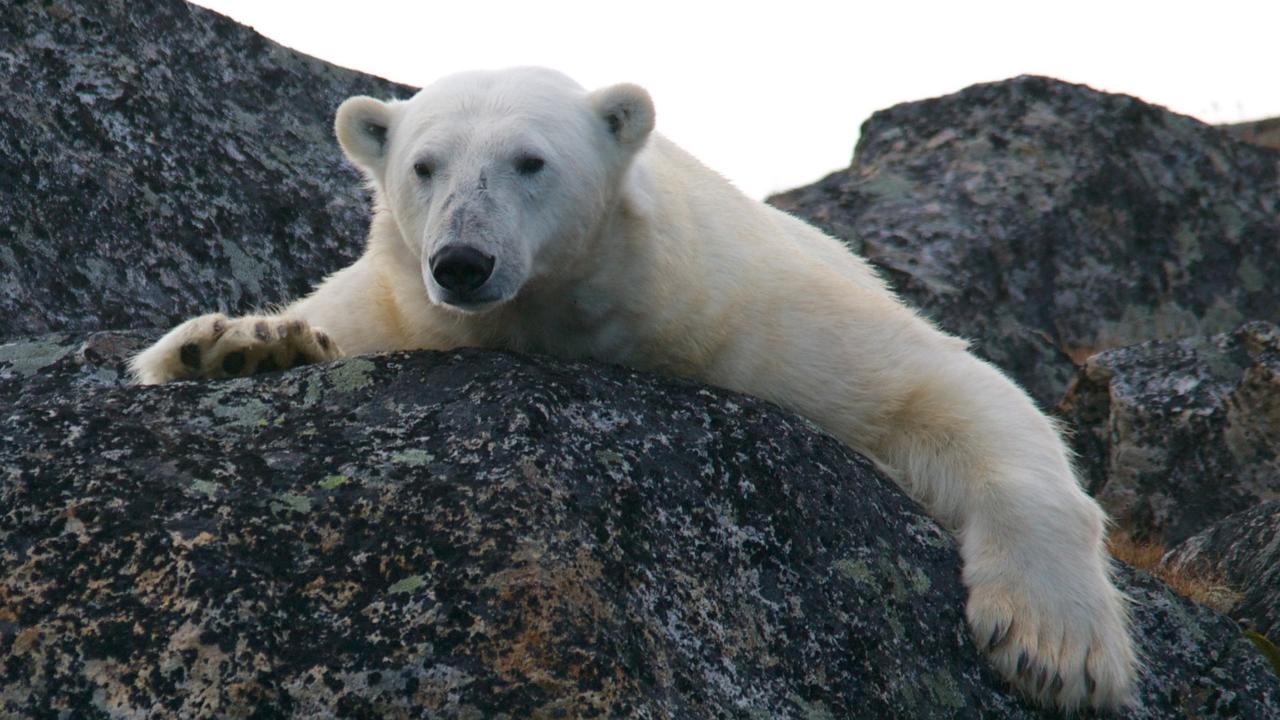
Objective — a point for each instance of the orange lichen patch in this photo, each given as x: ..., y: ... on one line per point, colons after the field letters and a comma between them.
x: 1080, y: 354
x: 542, y: 597
x: 1197, y: 582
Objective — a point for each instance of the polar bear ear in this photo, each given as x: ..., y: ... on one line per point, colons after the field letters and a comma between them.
x: 362, y: 126
x: 626, y: 111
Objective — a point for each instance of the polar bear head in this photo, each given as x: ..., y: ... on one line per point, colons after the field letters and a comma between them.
x: 496, y: 179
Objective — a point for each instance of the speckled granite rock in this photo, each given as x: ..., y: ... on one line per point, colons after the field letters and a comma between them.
x: 1048, y: 221
x: 471, y: 534
x: 1172, y: 436
x: 1245, y: 549
x: 158, y: 160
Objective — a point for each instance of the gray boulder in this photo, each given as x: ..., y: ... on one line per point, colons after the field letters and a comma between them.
x: 1173, y: 436
x: 475, y: 534
x: 1048, y: 221
x: 158, y: 160
x: 1245, y: 550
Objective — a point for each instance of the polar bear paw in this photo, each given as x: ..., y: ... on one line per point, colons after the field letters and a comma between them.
x: 1063, y: 646
x: 215, y: 346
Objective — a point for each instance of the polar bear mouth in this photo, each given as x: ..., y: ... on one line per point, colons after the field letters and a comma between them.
x: 470, y: 305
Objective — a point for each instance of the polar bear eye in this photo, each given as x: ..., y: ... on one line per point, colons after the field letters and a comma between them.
x: 423, y: 170
x: 529, y: 165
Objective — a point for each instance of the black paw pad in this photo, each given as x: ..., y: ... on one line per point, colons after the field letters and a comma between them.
x: 267, y: 364
x: 190, y: 355
x: 323, y: 341
x: 233, y: 363
x: 301, y: 359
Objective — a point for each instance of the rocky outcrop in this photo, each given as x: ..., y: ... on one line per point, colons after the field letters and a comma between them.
x: 488, y: 535
x: 1048, y: 221
x: 1245, y: 550
x: 158, y: 160
x: 1172, y: 436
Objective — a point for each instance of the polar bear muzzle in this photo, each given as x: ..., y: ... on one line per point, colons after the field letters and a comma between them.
x: 461, y: 269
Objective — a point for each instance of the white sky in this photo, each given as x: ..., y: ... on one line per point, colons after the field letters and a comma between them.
x: 771, y: 94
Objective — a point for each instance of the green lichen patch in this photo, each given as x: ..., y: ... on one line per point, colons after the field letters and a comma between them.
x: 292, y: 502
x: 29, y: 357
x: 333, y: 481
x: 943, y: 689
x: 855, y: 570
x: 816, y: 710
x: 350, y: 375
x: 413, y: 457
x: 247, y: 412
x: 208, y: 488
x: 917, y: 579
x: 407, y: 585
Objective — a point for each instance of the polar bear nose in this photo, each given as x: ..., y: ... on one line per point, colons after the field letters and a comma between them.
x: 461, y: 268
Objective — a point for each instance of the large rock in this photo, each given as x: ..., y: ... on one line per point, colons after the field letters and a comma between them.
x: 158, y: 160
x: 1245, y: 550
x: 1048, y: 221
x: 1172, y: 436
x: 488, y: 535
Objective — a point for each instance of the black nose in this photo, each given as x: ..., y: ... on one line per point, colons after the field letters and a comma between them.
x: 460, y: 268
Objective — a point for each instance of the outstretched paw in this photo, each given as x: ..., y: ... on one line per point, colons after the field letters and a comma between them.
x: 215, y: 346
x: 1063, y: 646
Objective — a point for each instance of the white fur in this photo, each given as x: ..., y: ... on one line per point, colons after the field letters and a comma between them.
x: 623, y: 248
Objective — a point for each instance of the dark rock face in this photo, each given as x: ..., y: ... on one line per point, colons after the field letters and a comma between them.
x: 488, y: 535
x: 1047, y: 221
x: 1172, y: 436
x: 1245, y: 549
x: 158, y: 160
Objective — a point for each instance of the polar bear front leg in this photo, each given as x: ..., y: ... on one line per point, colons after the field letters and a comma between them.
x: 974, y: 449
x: 215, y: 346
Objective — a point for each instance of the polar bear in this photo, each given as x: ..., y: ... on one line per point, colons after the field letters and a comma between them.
x: 515, y: 210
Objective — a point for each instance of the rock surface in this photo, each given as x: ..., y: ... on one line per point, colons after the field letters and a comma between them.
x: 1259, y: 132
x: 1172, y: 436
x: 158, y: 160
x: 1245, y: 549
x: 488, y: 535
x: 1047, y: 221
